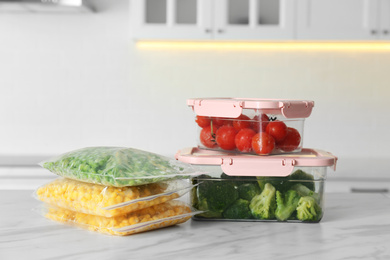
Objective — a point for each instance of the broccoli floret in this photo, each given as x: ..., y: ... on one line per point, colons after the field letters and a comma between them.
x: 263, y: 205
x: 238, y: 210
x: 247, y: 191
x: 286, y: 204
x: 308, y: 209
x: 303, y: 178
x: 280, y: 183
x: 238, y: 180
x: 303, y: 191
x: 283, y: 184
x: 202, y: 206
x: 218, y: 194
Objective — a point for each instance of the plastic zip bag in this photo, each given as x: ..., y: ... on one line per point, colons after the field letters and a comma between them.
x: 106, y: 201
x: 118, y: 166
x: 158, y: 216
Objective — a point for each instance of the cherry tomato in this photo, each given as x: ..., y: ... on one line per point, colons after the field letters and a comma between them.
x: 202, y: 121
x: 220, y: 121
x: 241, y: 122
x: 291, y: 141
x: 263, y: 143
x: 243, y: 140
x: 225, y: 137
x: 207, y: 137
x: 277, y: 129
x: 260, y: 122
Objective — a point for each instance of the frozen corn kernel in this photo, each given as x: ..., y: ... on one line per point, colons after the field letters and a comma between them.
x: 107, y: 225
x: 93, y: 198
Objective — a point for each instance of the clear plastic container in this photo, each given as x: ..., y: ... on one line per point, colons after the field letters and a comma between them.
x: 253, y: 126
x: 287, y: 188
x: 158, y: 216
x: 108, y: 201
x: 117, y: 166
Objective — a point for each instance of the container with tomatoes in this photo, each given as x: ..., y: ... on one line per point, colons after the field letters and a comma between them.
x: 255, y: 126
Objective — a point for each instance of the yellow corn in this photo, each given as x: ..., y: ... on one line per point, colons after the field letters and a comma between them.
x: 92, y: 198
x: 105, y: 225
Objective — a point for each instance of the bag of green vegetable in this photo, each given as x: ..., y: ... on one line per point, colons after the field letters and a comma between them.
x: 118, y: 166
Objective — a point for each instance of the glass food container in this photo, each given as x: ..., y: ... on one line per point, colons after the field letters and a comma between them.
x: 288, y: 187
x: 251, y: 126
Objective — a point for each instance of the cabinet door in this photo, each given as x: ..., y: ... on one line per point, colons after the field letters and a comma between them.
x: 384, y: 28
x: 254, y: 19
x: 337, y: 19
x: 171, y: 19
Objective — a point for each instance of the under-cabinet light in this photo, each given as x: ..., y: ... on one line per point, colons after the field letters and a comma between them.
x: 317, y: 46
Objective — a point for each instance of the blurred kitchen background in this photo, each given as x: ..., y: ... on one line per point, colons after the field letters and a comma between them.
x: 76, y: 78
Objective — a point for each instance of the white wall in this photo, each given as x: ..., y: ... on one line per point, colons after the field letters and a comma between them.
x: 69, y: 81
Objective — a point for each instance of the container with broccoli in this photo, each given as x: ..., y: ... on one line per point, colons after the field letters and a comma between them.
x: 258, y: 199
x: 283, y: 188
x: 297, y: 198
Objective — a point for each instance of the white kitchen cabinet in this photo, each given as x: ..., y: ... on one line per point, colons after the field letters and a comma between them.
x: 254, y: 19
x: 171, y: 19
x: 213, y: 20
x: 384, y: 23
x: 343, y: 19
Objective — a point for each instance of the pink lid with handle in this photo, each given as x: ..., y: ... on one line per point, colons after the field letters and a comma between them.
x: 233, y: 107
x: 253, y: 165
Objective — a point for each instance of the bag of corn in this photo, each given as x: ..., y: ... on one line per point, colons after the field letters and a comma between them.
x: 158, y: 216
x: 108, y: 201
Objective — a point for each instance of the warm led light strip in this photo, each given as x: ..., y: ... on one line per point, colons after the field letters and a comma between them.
x: 342, y: 46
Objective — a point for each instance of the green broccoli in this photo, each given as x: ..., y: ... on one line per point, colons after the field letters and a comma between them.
x: 303, y: 191
x: 280, y: 183
x: 303, y: 178
x: 283, y: 184
x: 308, y: 209
x: 238, y: 210
x: 202, y: 206
x: 286, y: 205
x: 218, y: 194
x: 247, y: 191
x: 263, y: 205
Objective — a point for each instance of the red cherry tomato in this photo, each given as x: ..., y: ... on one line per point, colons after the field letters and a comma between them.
x: 220, y: 121
x: 207, y: 137
x: 241, y: 122
x: 225, y: 137
x: 260, y: 122
x: 291, y: 141
x: 243, y: 140
x: 202, y: 121
x: 263, y: 143
x: 277, y: 129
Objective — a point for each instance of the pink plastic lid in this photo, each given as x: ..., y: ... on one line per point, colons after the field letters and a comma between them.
x: 232, y: 107
x: 254, y: 165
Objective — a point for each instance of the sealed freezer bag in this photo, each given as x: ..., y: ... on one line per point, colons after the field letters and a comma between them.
x: 108, y: 201
x: 158, y: 216
x: 117, y: 166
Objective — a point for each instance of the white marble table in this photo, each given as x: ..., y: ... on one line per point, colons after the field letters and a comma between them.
x: 355, y: 226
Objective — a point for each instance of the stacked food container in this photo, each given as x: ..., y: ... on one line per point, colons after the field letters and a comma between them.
x: 116, y: 190
x: 257, y: 168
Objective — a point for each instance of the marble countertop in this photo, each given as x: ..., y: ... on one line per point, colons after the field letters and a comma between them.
x: 355, y: 226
